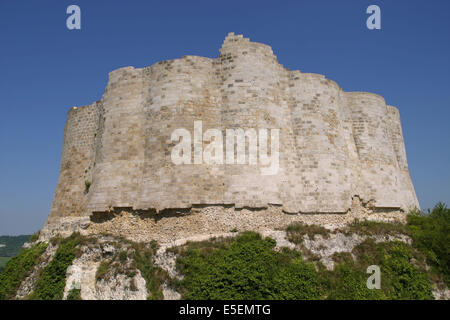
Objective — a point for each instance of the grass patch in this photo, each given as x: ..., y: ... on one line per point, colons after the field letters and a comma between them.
x: 18, y: 268
x: 373, y: 228
x: 296, y: 231
x: 102, y: 270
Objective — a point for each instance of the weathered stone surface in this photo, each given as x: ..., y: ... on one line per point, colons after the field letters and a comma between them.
x: 334, y: 145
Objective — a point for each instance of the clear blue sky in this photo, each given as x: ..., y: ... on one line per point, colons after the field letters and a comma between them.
x: 46, y: 69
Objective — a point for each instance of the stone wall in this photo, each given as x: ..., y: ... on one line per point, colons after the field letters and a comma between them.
x: 334, y: 145
x: 77, y: 161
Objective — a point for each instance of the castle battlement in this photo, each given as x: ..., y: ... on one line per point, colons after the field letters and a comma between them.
x: 334, y: 145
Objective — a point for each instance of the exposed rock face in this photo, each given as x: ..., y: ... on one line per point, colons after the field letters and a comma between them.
x: 116, y: 286
x: 333, y: 145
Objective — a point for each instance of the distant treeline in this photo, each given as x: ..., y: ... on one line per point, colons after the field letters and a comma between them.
x: 12, y: 245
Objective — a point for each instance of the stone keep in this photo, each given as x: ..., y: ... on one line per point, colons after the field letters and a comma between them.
x: 333, y: 145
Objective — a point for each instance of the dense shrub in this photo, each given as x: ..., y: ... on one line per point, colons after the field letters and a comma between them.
x: 18, y: 268
x: 247, y: 268
x: 400, y: 277
x: 52, y: 280
x: 403, y: 279
x: 348, y: 282
x: 297, y: 230
x: 431, y: 234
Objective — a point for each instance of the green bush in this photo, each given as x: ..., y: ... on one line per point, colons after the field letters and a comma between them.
x: 52, y: 280
x: 404, y: 279
x: 348, y: 282
x: 18, y: 268
x: 402, y: 274
x: 246, y: 268
x: 431, y: 234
